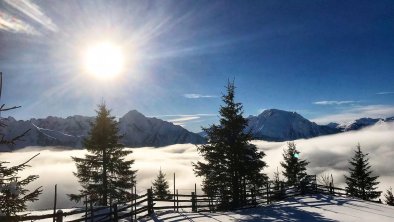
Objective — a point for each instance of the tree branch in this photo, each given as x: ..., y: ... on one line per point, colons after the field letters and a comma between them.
x: 6, y: 109
x: 13, y: 140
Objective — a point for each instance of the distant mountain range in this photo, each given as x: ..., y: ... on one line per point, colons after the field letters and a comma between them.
x: 279, y: 125
x: 139, y: 130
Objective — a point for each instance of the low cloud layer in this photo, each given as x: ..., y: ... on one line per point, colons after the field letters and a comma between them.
x: 327, y: 154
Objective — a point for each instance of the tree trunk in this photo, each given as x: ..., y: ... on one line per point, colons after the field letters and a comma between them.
x: 105, y: 182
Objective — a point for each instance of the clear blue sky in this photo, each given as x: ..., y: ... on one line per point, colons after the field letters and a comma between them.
x: 327, y: 60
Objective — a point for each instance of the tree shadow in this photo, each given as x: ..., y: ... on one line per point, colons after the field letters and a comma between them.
x: 294, y: 209
x: 282, y: 213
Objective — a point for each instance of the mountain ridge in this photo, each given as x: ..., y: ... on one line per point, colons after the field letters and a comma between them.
x: 137, y: 131
x: 280, y: 125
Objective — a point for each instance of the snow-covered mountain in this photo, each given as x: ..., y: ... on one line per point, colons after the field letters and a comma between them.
x: 51, y: 131
x: 140, y: 131
x: 280, y: 125
x: 361, y: 123
x: 137, y: 130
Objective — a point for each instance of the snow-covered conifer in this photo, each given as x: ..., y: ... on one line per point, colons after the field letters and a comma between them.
x: 360, y: 183
x: 104, y: 173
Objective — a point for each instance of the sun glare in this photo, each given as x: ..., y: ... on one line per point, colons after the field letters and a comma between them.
x: 104, y: 60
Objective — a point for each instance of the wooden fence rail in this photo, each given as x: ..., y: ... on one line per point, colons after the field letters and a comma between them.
x: 144, y: 205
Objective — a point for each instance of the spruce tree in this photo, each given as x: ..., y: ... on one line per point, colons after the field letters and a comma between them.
x: 13, y: 192
x: 231, y: 163
x: 360, y: 183
x: 294, y: 167
x: 389, y: 197
x: 161, y: 187
x: 104, y: 174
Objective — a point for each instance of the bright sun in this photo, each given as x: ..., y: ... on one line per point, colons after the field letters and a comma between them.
x: 104, y: 60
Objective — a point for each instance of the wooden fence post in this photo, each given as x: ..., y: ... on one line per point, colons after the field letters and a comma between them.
x: 174, y: 192
x: 315, y: 184
x: 110, y: 210
x: 194, y: 204
x: 115, y: 207
x: 268, y: 192
x: 150, y: 202
x: 131, y: 200
x: 177, y: 201
x: 59, y: 216
x: 86, y: 208
x: 253, y: 194
x: 135, y: 201
x: 54, y: 204
x: 131, y: 204
x: 209, y: 204
x: 282, y: 190
x: 91, y: 210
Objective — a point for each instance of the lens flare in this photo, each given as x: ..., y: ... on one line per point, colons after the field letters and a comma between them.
x: 104, y: 60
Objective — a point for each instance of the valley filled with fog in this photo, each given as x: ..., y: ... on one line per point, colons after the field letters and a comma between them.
x: 326, y: 154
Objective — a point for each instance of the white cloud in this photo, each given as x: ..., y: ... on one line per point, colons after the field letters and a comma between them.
x: 183, y: 119
x: 372, y: 111
x: 326, y: 154
x: 34, y: 12
x: 186, y: 115
x: 333, y: 102
x: 198, y: 96
x: 384, y: 93
x: 11, y: 24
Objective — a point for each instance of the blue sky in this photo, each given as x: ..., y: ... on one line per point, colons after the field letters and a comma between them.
x: 327, y: 60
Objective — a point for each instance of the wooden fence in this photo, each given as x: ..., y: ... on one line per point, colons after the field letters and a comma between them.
x: 144, y: 205
x: 133, y: 210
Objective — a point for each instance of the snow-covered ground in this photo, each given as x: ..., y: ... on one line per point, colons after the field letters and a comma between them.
x: 317, y: 207
x: 307, y: 208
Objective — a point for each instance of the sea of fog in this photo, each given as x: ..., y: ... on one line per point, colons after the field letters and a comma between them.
x: 326, y: 154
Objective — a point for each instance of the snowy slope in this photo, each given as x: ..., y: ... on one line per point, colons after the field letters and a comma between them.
x: 307, y: 208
